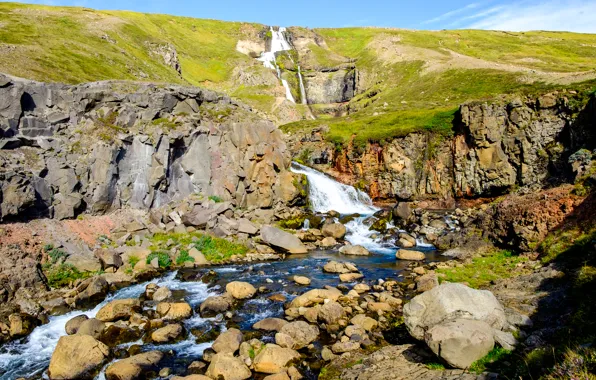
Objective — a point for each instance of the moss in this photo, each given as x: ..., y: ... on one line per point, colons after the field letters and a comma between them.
x: 61, y: 275
x: 435, y: 366
x: 293, y: 223
x: 215, y: 249
x: 215, y: 198
x: 484, y: 364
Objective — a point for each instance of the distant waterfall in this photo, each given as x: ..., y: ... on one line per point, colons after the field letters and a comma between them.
x: 279, y: 44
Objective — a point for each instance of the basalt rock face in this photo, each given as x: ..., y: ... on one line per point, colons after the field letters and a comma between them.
x: 496, y: 147
x: 330, y: 86
x: 101, y: 146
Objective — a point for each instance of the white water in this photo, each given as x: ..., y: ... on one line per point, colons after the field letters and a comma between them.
x: 31, y: 356
x: 302, y: 89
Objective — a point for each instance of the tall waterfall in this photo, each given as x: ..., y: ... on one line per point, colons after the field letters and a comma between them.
x: 280, y: 44
x: 326, y: 194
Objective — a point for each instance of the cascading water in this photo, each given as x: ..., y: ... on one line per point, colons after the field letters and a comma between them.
x: 280, y: 44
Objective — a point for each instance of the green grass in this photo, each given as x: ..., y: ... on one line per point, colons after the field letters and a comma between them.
x: 483, y: 270
x: 214, y: 249
x: 484, y: 364
x: 435, y: 366
x: 184, y: 257
x: 133, y: 260
x: 61, y: 275
x: 215, y: 198
x: 163, y: 259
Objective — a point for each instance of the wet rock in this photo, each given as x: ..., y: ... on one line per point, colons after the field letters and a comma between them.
x: 72, y: 326
x: 301, y: 334
x: 451, y: 301
x: 336, y: 267
x: 119, y: 309
x: 274, y: 359
x: 277, y: 376
x: 283, y: 240
x: 191, y: 377
x: 162, y: 294
x: 92, y: 327
x: 367, y: 323
x: 328, y: 242
x: 334, y: 230
x: 196, y: 367
x: 315, y: 296
x: 226, y: 367
x: 174, y: 311
x: 354, y: 250
x: 270, y: 324
x: 91, y: 291
x: 77, y: 357
x: 228, y: 341
x: 167, y: 334
x: 240, y: 290
x: 134, y: 367
x: 215, y: 305
x: 460, y: 342
x: 350, y: 277
x: 404, y: 254
x: 301, y: 280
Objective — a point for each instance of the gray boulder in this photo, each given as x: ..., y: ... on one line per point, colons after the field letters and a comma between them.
x: 281, y: 239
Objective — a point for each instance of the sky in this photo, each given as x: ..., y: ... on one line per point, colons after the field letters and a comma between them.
x: 510, y: 15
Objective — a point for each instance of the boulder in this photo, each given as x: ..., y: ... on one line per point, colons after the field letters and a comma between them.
x: 215, y: 305
x: 334, y: 230
x: 341, y: 347
x: 336, y: 267
x: 240, y: 290
x: 191, y: 377
x: 328, y: 242
x: 367, y: 323
x: 331, y: 312
x: 270, y: 324
x: 283, y: 240
x: 224, y: 366
x: 245, y: 226
x: 119, y: 309
x: 108, y: 258
x: 228, y: 341
x: 301, y: 280
x: 404, y: 254
x: 73, y: 324
x: 91, y: 291
x: 167, y: 333
x: 278, y: 376
x: 427, y: 282
x: 77, y: 357
x: 460, y: 342
x: 134, y: 367
x: 301, y: 333
x: 350, y: 277
x: 198, y: 257
x: 354, y: 250
x: 92, y: 327
x: 162, y: 294
x: 315, y: 296
x: 451, y: 301
x: 274, y: 359
x: 170, y: 311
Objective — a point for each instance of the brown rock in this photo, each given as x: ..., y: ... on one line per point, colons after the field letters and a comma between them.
x: 77, y: 357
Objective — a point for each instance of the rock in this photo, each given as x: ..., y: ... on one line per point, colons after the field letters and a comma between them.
x: 73, y: 324
x: 174, y: 311
x: 198, y: 257
x: 335, y: 267
x: 505, y: 339
x: 162, y: 294
x: 240, y: 290
x: 108, y: 258
x: 167, y: 334
x: 367, y: 323
x: 460, y: 342
x: 404, y: 254
x: 119, y: 309
x: 341, y: 347
x: 301, y: 333
x: 92, y: 327
x: 419, y: 270
x: 77, y: 357
x: 327, y: 355
x: 246, y: 227
x: 270, y: 324
x: 402, y: 211
x: 361, y: 288
x: 283, y: 240
x: 191, y: 377
x: 331, y: 312
x: 350, y: 277
x: 451, y: 301
x: 328, y: 242
x: 91, y: 291
x: 274, y: 359
x: 427, y: 282
x: 354, y: 250
x: 133, y: 368
x: 214, y: 305
x: 277, y: 376
x: 334, y: 230
x: 228, y: 341
x: 196, y: 367
x: 301, y: 280
x: 315, y: 296
x: 226, y: 367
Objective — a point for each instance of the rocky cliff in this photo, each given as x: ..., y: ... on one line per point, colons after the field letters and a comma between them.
x: 100, y: 146
x: 492, y: 149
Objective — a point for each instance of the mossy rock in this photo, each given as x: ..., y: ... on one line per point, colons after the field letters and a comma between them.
x: 380, y: 225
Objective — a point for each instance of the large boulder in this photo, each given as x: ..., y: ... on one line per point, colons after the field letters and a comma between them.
x: 452, y: 301
x: 228, y: 341
x: 331, y: 313
x: 167, y: 333
x: 315, y: 296
x: 174, y: 311
x: 119, y: 309
x: 270, y: 324
x: 274, y: 359
x: 336, y: 267
x: 225, y: 366
x: 240, y: 290
x: 134, y: 367
x: 460, y: 342
x: 404, y: 254
x: 296, y: 335
x: 77, y: 357
x: 354, y: 250
x: 214, y: 305
x: 281, y: 239
x: 334, y: 230
x: 73, y: 324
x: 92, y: 327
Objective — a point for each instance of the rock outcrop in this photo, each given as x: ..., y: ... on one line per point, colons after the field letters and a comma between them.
x: 100, y: 146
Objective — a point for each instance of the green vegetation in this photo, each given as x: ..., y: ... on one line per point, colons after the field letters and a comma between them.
x: 292, y: 223
x: 61, y: 275
x: 484, y: 364
x: 133, y: 260
x: 215, y: 198
x: 435, y: 366
x: 184, y: 257
x: 214, y: 249
x: 482, y: 270
x: 163, y: 259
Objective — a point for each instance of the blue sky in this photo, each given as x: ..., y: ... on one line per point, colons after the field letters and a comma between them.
x: 513, y: 15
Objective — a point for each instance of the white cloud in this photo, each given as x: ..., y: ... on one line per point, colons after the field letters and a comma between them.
x: 450, y: 14
x: 558, y: 15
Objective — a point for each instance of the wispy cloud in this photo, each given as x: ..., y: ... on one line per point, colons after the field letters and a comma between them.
x: 479, y: 15
x: 450, y: 14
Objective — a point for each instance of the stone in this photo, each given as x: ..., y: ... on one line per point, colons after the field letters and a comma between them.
x: 301, y: 333
x: 247, y: 227
x: 224, y: 366
x: 77, y: 357
x: 367, y: 323
x: 167, y: 333
x: 174, y: 311
x: 505, y: 339
x: 451, y: 301
x: 334, y: 230
x: 404, y: 254
x: 460, y: 342
x: 427, y: 282
x: 350, y: 277
x: 270, y: 324
x: 198, y: 256
x: 331, y: 313
x: 119, y: 309
x: 162, y: 294
x: 73, y: 324
x: 336, y: 267
x: 191, y: 377
x: 274, y: 359
x: 228, y: 341
x: 315, y: 296
x: 283, y: 240
x: 92, y: 327
x: 354, y: 250
x: 240, y: 290
x: 215, y: 305
x: 108, y: 258
x: 91, y: 291
x: 328, y: 242
x: 301, y: 280
x: 277, y: 376
x: 361, y: 288
x: 341, y: 347
x: 133, y: 368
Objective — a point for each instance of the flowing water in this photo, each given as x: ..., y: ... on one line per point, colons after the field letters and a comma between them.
x: 30, y: 356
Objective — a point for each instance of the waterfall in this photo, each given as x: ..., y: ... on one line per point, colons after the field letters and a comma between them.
x: 302, y: 89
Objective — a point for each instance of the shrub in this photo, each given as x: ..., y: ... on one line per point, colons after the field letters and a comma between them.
x: 184, y: 257
x: 163, y: 259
